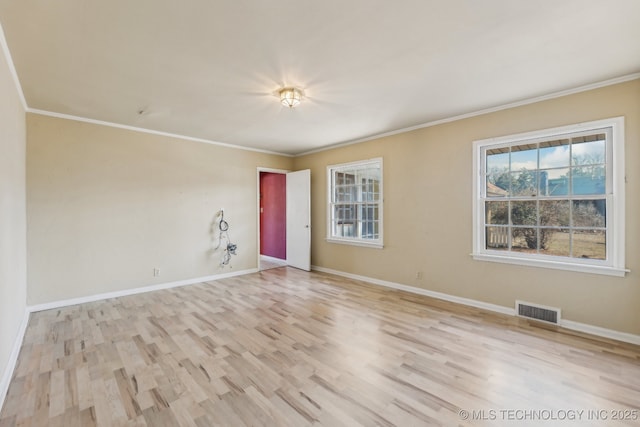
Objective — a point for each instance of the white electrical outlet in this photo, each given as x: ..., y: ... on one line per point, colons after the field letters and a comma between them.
x: 156, y: 272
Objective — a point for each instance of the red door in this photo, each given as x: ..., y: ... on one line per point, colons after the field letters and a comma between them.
x: 273, y: 215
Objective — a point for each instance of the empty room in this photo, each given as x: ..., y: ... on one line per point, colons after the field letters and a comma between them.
x: 297, y: 213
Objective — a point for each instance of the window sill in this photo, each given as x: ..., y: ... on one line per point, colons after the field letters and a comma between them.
x: 581, y: 268
x: 375, y: 245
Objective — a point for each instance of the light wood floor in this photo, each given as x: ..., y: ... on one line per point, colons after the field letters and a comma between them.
x: 286, y: 347
x: 267, y: 262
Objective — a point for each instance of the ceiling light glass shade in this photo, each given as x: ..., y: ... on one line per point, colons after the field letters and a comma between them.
x: 290, y: 96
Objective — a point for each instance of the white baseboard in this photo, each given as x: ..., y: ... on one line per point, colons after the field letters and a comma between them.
x: 420, y: 291
x: 134, y: 291
x: 568, y: 324
x: 601, y: 332
x: 13, y: 358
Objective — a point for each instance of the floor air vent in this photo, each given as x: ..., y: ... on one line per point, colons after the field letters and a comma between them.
x: 538, y: 312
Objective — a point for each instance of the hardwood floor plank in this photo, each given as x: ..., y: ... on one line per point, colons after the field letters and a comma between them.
x: 262, y: 402
x: 285, y: 347
x: 56, y: 394
x: 127, y: 394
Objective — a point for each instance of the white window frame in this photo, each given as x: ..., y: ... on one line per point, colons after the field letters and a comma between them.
x: 614, y: 265
x: 356, y: 241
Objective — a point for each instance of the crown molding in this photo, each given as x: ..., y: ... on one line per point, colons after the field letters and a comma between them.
x: 12, y: 69
x: 150, y: 131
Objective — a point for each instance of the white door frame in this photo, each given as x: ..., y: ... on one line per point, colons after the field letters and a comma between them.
x: 270, y: 170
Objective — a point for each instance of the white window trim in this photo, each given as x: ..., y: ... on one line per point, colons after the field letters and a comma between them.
x: 615, y: 265
x: 378, y: 243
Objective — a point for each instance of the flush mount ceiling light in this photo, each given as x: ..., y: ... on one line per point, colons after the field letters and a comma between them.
x: 290, y: 96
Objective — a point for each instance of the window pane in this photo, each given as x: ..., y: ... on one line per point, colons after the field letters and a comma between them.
x: 588, y: 150
x: 345, y: 189
x: 554, y: 154
x: 366, y: 193
x: 498, y: 185
x: 589, y: 244
x: 524, y: 183
x: 344, y: 212
x: 349, y: 178
x: 369, y: 230
x: 372, y: 212
x: 524, y: 213
x: 497, y: 212
x: 341, y: 194
x: 554, y: 213
x: 344, y: 229
x: 554, y: 182
x: 524, y: 240
x: 376, y: 190
x: 555, y: 242
x: 589, y: 213
x: 497, y: 160
x: 337, y: 231
x: 524, y: 157
x: 497, y: 238
x: 588, y: 179
x: 370, y: 190
x: 497, y: 168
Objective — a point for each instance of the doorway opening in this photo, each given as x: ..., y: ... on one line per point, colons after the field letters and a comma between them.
x: 290, y: 218
x: 273, y: 219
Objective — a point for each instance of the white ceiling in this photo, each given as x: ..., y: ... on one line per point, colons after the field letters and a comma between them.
x: 209, y: 68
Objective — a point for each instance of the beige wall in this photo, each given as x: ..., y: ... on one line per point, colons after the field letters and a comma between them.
x: 13, y: 282
x: 428, y: 219
x: 105, y: 206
